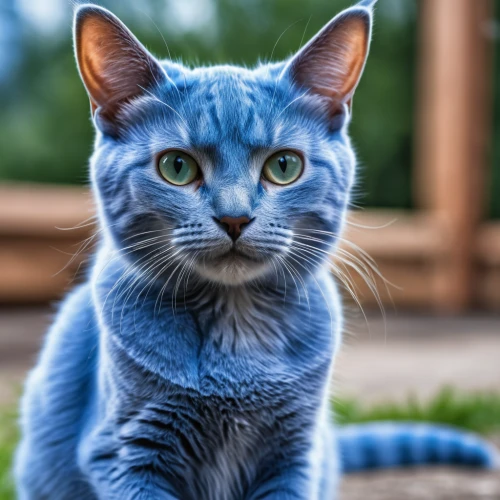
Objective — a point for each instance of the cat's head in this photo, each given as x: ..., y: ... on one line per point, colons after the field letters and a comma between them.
x: 231, y: 172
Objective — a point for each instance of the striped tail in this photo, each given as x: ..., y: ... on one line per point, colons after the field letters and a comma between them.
x: 390, y: 444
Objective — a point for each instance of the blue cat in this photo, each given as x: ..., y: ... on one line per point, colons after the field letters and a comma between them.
x: 194, y: 362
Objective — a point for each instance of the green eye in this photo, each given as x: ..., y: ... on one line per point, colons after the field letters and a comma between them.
x: 178, y: 168
x: 283, y: 168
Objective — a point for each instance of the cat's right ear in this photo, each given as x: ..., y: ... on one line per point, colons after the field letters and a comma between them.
x: 114, y: 66
x: 330, y: 65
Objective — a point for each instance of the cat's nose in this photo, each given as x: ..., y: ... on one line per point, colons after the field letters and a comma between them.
x: 234, y: 225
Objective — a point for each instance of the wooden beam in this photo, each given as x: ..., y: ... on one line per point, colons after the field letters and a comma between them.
x: 453, y: 133
x: 487, y: 293
x: 396, y: 235
x: 408, y: 247
x: 37, y: 270
x: 488, y: 245
x: 45, y: 211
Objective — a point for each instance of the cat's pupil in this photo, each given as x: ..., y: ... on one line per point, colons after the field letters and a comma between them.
x: 282, y: 163
x: 178, y: 162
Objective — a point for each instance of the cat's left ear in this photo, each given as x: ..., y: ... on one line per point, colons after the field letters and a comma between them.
x: 115, y: 67
x: 331, y: 64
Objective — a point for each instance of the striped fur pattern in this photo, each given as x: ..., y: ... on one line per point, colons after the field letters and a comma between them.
x: 188, y: 365
x: 387, y: 444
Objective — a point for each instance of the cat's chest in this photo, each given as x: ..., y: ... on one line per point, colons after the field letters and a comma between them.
x: 209, y: 437
x: 228, y: 356
x: 180, y: 363
x: 224, y: 344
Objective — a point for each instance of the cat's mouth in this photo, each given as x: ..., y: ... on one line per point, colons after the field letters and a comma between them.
x: 233, y: 267
x: 235, y: 256
x: 237, y: 253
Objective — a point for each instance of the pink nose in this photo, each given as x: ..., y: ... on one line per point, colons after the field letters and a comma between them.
x: 234, y: 225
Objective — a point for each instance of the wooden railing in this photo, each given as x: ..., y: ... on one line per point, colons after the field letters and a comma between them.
x: 41, y: 230
x: 443, y: 256
x: 453, y: 132
x: 36, y: 243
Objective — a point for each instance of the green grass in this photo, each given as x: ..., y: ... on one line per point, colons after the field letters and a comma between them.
x: 8, y: 440
x: 478, y: 412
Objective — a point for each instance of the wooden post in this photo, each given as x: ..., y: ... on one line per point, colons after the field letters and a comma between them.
x: 453, y: 133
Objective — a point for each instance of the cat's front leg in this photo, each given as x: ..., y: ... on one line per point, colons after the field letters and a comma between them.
x: 292, y: 482
x: 132, y: 483
x: 313, y: 477
x: 280, y: 493
x: 138, y: 485
x: 118, y: 472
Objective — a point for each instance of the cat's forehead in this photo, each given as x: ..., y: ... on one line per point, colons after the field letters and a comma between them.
x: 227, y: 75
x: 230, y: 85
x: 229, y: 101
x: 225, y: 109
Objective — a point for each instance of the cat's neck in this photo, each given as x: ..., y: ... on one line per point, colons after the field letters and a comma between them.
x: 270, y: 315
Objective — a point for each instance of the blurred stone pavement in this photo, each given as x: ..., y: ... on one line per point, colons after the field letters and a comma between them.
x: 381, y: 360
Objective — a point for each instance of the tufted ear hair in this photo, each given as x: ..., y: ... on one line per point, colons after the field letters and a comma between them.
x: 114, y: 66
x: 330, y: 64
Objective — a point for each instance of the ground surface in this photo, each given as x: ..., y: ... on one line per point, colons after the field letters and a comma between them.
x: 442, y: 484
x: 419, y: 355
x: 407, y: 354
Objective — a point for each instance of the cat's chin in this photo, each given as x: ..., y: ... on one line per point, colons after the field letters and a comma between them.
x: 232, y: 270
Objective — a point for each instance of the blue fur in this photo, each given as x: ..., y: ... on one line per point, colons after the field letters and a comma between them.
x: 174, y: 371
x: 386, y: 444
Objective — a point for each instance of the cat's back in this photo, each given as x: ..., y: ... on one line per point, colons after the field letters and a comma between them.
x: 55, y: 403
x: 71, y: 341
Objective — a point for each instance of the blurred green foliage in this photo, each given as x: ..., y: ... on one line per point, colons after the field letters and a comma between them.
x: 494, y: 180
x: 45, y: 129
x: 8, y: 441
x: 476, y: 411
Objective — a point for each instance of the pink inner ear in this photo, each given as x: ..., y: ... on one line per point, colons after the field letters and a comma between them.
x: 113, y: 64
x: 332, y: 63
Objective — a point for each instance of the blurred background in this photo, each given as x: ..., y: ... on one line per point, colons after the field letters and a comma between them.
x: 427, y: 206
